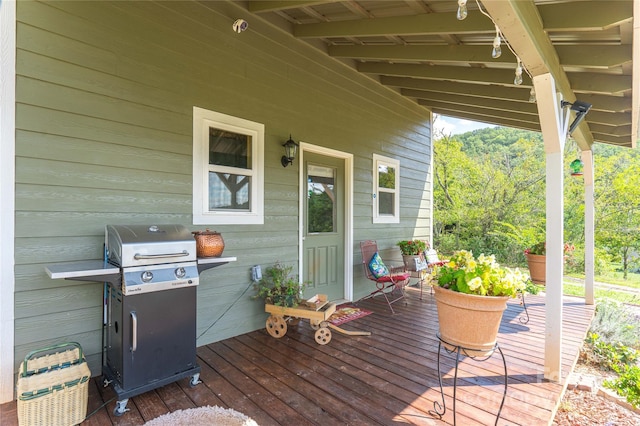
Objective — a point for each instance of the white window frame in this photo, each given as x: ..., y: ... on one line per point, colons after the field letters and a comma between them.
x: 202, y: 120
x: 377, y: 217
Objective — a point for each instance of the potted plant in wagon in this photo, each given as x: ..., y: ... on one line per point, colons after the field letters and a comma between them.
x: 471, y: 295
x: 412, y: 252
x: 278, y: 288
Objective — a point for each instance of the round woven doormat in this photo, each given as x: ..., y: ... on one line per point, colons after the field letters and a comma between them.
x: 201, y: 416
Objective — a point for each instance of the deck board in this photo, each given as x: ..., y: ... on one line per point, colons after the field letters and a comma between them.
x: 387, y: 378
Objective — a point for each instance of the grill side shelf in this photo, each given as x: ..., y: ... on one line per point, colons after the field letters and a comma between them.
x: 89, y: 270
x: 205, y: 263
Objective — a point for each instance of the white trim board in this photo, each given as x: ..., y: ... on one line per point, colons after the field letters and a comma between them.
x: 7, y: 194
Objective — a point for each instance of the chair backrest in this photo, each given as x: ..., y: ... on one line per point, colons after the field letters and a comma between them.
x: 432, y: 256
x: 368, y: 249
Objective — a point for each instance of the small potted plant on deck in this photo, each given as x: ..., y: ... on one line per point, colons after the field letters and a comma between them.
x: 412, y: 249
x: 537, y: 260
x: 278, y: 287
x: 471, y: 295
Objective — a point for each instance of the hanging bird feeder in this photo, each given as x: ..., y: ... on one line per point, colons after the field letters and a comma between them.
x: 577, y: 167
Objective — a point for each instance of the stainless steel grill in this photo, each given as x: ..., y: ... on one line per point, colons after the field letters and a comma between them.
x: 152, y: 258
x: 151, y: 276
x: 151, y: 312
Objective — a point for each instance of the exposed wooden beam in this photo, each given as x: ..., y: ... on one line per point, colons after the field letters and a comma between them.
x: 429, y: 23
x: 610, y: 130
x: 612, y: 140
x: 274, y: 5
x: 462, y: 74
x: 561, y: 17
x: 521, y: 24
x: 581, y: 16
x: 599, y: 102
x: 605, y: 84
x: 594, y: 56
x: 463, y: 54
x: 482, y: 90
x: 606, y: 102
x: 590, y: 56
x: 494, y: 104
x: 609, y: 118
x: 498, y: 121
x: 482, y: 113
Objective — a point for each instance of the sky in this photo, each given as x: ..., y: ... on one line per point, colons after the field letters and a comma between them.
x: 455, y: 126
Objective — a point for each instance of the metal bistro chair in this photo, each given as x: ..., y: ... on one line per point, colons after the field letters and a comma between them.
x: 390, y: 282
x: 432, y: 259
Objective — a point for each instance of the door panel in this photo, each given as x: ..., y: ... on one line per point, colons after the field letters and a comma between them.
x: 324, y: 225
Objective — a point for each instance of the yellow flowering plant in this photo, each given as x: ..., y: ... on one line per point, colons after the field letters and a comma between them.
x: 480, y: 276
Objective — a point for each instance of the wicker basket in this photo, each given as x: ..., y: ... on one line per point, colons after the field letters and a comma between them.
x: 208, y: 243
x: 53, y: 388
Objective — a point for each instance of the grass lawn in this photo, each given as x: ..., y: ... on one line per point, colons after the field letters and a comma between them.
x: 571, y: 289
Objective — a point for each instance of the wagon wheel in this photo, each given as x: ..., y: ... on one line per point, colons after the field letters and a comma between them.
x: 293, y: 321
x: 323, y: 336
x: 276, y: 326
x: 315, y: 324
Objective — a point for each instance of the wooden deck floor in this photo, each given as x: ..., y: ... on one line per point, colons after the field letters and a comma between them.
x: 389, y: 377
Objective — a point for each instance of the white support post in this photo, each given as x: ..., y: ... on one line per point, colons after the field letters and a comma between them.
x: 554, y: 135
x: 589, y: 228
x: 7, y: 195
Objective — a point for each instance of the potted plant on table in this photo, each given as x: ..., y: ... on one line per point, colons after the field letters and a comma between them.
x: 412, y: 249
x: 471, y: 295
x: 278, y: 287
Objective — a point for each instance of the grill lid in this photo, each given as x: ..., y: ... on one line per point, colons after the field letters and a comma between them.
x: 137, y: 245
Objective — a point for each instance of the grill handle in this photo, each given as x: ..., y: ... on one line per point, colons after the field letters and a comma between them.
x: 139, y: 256
x: 134, y: 331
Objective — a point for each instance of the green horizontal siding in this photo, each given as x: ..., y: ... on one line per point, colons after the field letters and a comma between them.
x: 105, y: 92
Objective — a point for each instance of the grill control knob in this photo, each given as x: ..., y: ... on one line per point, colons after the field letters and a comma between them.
x: 180, y: 272
x: 146, y: 276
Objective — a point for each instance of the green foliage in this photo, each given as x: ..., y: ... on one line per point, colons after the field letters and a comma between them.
x: 277, y: 287
x: 489, y: 196
x: 481, y: 276
x: 611, y: 356
x: 412, y: 247
x: 531, y: 287
x: 627, y: 384
x: 615, y: 323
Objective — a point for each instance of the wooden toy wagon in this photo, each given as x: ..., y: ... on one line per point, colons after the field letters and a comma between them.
x: 317, y: 310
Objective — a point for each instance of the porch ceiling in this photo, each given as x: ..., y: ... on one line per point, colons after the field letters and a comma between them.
x: 420, y: 49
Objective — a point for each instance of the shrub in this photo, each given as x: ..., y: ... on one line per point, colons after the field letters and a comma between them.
x: 612, y: 343
x: 611, y: 356
x: 627, y: 384
x: 615, y: 323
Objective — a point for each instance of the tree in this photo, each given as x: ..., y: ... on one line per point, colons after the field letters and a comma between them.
x: 618, y: 198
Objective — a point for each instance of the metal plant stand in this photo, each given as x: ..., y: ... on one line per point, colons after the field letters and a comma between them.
x: 440, y: 408
x: 523, y: 319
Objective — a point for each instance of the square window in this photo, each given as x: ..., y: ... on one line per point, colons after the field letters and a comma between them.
x: 228, y: 169
x: 386, y: 190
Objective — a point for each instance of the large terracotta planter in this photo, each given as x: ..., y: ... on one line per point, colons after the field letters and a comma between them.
x: 537, y: 268
x: 468, y: 320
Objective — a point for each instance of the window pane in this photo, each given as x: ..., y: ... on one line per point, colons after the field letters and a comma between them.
x: 228, y: 191
x: 386, y: 176
x: 386, y: 203
x: 229, y: 149
x: 321, y: 199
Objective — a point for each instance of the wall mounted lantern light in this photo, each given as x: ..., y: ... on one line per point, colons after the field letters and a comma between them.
x: 290, y: 149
